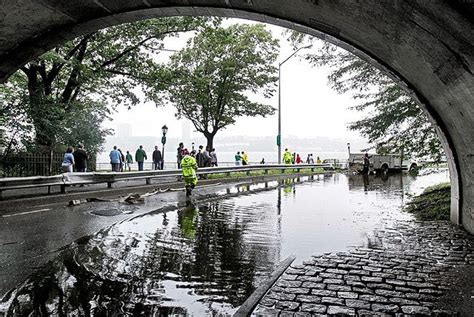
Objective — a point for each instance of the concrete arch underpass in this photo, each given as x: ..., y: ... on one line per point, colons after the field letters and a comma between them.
x: 427, y: 46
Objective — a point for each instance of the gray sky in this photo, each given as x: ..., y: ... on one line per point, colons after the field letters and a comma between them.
x: 309, y: 107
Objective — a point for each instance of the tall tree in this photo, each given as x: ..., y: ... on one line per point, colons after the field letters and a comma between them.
x: 109, y: 65
x: 214, y: 75
x: 392, y: 122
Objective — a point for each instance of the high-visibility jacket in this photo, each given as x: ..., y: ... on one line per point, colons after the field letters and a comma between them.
x: 287, y: 157
x: 245, y: 158
x: 189, y: 166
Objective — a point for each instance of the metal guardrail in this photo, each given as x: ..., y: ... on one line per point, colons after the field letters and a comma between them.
x: 71, y: 179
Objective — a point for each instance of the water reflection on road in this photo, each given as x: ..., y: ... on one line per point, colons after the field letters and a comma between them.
x: 207, y: 258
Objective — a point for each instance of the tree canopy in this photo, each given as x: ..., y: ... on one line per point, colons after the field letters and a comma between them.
x: 392, y: 122
x: 213, y: 77
x: 87, y: 77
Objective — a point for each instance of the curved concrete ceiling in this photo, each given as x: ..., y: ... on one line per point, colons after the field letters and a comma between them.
x: 428, y: 45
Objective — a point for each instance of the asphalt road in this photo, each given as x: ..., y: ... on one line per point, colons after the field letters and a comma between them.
x: 32, y: 235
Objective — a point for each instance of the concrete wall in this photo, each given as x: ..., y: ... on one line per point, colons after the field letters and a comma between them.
x: 427, y: 45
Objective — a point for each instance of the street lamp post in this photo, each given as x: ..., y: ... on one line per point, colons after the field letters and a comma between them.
x: 164, y: 129
x: 349, y: 148
x: 279, y: 99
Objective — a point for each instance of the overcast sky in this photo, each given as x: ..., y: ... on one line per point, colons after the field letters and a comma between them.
x: 309, y: 107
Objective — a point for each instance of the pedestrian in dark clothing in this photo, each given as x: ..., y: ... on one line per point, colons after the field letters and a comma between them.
x: 213, y: 157
x: 179, y: 154
x: 200, y: 157
x: 80, y: 157
x: 366, y: 167
x: 157, y: 159
x: 122, y: 160
x: 207, y: 157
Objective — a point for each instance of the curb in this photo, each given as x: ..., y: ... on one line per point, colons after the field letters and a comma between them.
x: 11, y: 205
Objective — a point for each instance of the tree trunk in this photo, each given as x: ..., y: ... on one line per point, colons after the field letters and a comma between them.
x: 210, y: 141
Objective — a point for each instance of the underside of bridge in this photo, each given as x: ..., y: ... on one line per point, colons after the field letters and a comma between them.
x: 426, y: 45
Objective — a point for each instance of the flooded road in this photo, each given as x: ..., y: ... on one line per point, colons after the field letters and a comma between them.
x: 208, y: 257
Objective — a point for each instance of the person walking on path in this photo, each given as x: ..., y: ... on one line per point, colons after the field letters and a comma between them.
x: 238, y: 159
x: 157, y: 159
x: 68, y: 161
x: 310, y: 159
x: 245, y: 158
x: 115, y: 159
x: 80, y: 159
x: 140, y: 157
x: 207, y: 157
x: 287, y: 157
x: 179, y: 154
x: 262, y: 161
x: 298, y: 159
x: 189, y: 167
x: 200, y: 157
x: 318, y: 160
x: 128, y: 161
x: 122, y: 160
x: 213, y: 157
x: 366, y: 167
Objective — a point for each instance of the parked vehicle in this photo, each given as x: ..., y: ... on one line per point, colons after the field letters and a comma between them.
x: 381, y: 163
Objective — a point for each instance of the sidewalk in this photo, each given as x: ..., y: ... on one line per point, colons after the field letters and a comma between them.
x: 419, y: 268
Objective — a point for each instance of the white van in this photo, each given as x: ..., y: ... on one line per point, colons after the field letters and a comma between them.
x: 381, y: 163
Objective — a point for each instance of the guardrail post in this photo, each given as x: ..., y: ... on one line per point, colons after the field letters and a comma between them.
x: 283, y: 171
x: 109, y: 184
x: 298, y: 170
x: 248, y: 173
x: 63, y: 189
x: 227, y: 174
x: 148, y: 181
x: 312, y: 169
x: 266, y: 172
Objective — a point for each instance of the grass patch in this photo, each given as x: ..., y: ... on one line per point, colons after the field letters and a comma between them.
x: 433, y: 204
x: 236, y: 175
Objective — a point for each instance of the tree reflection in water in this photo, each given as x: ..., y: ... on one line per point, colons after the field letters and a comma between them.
x: 115, y: 273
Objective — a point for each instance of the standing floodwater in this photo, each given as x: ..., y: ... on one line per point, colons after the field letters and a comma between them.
x: 207, y: 258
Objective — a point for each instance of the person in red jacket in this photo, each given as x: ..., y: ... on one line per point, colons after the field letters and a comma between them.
x: 298, y: 159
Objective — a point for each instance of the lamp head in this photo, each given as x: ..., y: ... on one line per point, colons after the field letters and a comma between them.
x: 164, y: 129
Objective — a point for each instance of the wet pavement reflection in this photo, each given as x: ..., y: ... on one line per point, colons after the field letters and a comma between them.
x: 208, y: 257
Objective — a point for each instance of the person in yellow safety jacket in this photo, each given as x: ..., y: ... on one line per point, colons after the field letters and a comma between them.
x: 189, y: 168
x: 287, y: 157
x: 245, y: 158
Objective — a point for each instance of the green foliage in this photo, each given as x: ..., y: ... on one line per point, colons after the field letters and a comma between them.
x: 213, y: 75
x: 432, y: 204
x: 393, y: 122
x: 61, y: 98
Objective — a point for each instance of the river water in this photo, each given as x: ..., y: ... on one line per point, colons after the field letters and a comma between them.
x: 207, y: 258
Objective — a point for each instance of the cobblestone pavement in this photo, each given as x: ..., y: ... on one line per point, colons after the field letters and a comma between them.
x: 406, y: 271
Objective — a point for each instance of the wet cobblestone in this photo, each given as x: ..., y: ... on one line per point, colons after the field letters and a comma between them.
x: 409, y: 268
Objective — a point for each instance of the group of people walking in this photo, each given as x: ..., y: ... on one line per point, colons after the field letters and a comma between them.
x: 295, y: 158
x: 205, y: 157
x: 75, y: 159
x: 241, y: 158
x: 121, y: 162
